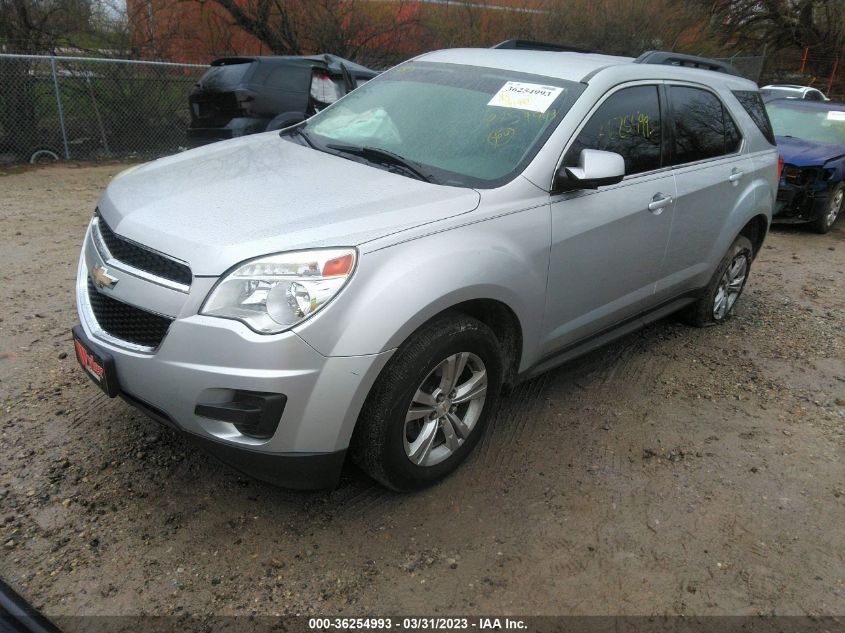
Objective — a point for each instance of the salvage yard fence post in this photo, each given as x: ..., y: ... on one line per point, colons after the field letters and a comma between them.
x: 59, y: 106
x: 92, y: 108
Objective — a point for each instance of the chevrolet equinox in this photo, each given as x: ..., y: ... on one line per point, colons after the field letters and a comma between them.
x: 370, y: 280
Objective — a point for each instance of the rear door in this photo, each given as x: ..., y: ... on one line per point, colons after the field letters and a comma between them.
x: 712, y: 175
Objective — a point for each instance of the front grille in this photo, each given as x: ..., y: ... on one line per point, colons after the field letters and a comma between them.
x: 127, y: 322
x: 141, y: 257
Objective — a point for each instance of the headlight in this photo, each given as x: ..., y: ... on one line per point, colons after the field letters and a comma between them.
x: 272, y: 294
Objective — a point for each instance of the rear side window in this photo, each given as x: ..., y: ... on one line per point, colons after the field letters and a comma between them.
x: 703, y: 129
x: 733, y: 139
x: 226, y: 76
x: 627, y: 123
x: 753, y: 104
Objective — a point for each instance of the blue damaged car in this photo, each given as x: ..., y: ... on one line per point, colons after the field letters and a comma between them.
x: 811, y: 141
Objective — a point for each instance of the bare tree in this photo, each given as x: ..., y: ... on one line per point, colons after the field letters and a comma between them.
x: 39, y: 26
x: 781, y: 23
x: 784, y: 28
x: 371, y: 32
x: 273, y: 22
x: 627, y: 27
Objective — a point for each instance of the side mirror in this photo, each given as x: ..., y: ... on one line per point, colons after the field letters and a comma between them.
x: 595, y: 169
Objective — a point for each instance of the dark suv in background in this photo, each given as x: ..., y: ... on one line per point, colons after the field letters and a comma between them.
x: 245, y: 95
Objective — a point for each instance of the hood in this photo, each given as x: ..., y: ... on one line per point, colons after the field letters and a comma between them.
x: 218, y: 205
x: 801, y: 153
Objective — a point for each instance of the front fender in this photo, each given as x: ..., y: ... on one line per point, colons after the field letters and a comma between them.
x: 396, y: 289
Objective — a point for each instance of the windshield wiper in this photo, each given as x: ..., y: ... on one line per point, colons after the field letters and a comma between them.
x: 298, y: 131
x: 382, y: 156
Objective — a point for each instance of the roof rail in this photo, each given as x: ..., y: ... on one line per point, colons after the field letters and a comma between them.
x: 690, y: 61
x: 529, y: 45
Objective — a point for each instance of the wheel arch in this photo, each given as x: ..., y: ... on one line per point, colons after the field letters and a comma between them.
x: 756, y: 230
x: 502, y: 320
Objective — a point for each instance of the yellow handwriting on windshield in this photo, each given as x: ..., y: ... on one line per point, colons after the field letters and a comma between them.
x: 502, y: 136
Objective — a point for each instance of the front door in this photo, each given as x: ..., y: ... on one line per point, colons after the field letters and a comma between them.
x: 608, y: 244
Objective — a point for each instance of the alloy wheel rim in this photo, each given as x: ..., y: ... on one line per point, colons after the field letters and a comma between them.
x: 835, y: 207
x: 730, y: 286
x: 445, y: 409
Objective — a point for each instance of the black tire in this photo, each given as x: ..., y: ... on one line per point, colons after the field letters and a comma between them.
x: 702, y: 313
x: 378, y: 444
x: 832, y: 210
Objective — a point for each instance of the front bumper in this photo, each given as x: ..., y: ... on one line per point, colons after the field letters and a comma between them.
x: 204, y: 360
x: 798, y: 204
x: 304, y: 471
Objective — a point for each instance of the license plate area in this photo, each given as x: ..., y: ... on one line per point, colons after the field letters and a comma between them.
x: 98, y: 364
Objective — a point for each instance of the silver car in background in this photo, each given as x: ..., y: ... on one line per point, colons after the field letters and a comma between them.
x: 791, y: 91
x: 368, y: 282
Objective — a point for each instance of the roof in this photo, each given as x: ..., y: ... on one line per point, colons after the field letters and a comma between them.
x: 566, y: 65
x: 582, y: 67
x: 787, y: 86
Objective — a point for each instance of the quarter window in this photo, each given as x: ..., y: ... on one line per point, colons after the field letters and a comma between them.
x: 702, y: 127
x: 753, y: 104
x: 627, y: 123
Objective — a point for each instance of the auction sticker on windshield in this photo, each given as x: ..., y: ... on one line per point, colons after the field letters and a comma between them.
x: 836, y: 115
x: 534, y: 97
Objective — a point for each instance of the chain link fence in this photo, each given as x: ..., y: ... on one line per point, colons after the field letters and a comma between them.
x: 750, y: 67
x: 55, y: 108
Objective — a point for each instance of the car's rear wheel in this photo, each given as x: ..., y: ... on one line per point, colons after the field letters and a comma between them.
x: 716, y: 303
x: 835, y: 203
x: 430, y: 405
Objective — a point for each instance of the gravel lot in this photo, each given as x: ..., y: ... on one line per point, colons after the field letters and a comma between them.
x: 678, y: 471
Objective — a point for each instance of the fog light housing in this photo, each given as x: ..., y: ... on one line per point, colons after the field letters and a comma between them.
x: 254, y: 413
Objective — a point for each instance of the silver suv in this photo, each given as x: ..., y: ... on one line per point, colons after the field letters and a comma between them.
x: 368, y: 281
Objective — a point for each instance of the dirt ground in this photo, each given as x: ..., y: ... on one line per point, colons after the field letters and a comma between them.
x: 678, y: 471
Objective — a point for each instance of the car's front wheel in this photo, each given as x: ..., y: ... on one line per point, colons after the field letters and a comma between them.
x: 430, y: 405
x: 835, y: 204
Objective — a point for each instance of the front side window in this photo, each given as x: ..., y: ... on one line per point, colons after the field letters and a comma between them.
x: 627, y: 123
x: 702, y: 127
x: 458, y: 125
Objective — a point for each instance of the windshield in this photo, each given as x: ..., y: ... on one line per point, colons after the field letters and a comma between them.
x: 821, y: 125
x: 459, y: 125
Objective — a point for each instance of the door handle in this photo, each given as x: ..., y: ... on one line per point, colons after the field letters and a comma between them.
x: 735, y: 175
x: 658, y: 202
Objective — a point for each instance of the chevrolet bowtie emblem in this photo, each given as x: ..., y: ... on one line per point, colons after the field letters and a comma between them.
x: 102, y: 279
